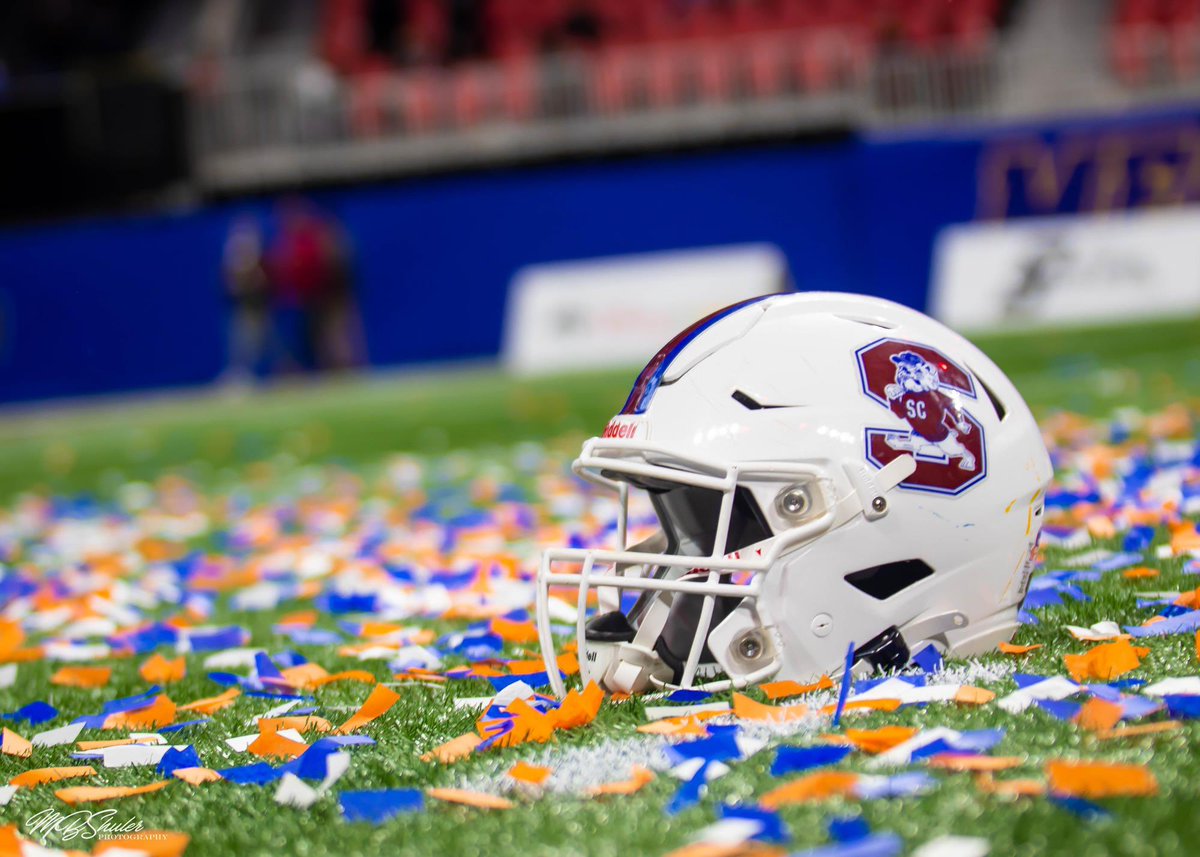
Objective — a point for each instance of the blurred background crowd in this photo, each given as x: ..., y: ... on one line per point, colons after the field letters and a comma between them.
x: 365, y: 180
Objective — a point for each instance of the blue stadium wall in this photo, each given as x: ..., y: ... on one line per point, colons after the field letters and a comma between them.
x: 123, y: 304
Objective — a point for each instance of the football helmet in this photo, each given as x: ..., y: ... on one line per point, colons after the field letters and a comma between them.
x: 830, y: 473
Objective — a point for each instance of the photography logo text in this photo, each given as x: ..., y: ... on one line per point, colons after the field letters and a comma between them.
x: 82, y: 824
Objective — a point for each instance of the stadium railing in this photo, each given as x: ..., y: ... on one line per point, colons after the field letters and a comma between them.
x: 261, y: 122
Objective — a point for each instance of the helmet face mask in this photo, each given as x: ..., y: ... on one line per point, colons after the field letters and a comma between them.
x: 784, y: 533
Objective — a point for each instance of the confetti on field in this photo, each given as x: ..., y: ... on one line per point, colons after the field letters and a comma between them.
x: 288, y: 643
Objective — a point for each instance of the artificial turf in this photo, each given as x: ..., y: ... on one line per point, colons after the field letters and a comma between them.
x: 265, y: 441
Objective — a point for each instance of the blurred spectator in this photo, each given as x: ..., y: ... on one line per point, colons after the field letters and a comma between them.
x: 312, y: 293
x: 247, y: 289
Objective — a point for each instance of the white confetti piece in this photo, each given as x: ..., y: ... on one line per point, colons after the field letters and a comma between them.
x: 293, y: 791
x: 276, y: 711
x: 6, y: 794
x: 55, y: 737
x: 1055, y: 687
x: 901, y: 754
x: 1106, y: 630
x: 75, y: 652
x: 954, y: 846
x: 8, y: 675
x: 231, y: 659
x: 729, y: 832
x: 659, y: 712
x: 1188, y: 685
x: 133, y: 755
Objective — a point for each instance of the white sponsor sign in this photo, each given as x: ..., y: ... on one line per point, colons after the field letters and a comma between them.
x: 1074, y: 268
x: 618, y: 311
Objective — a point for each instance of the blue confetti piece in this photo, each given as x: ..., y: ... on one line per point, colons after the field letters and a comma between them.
x: 977, y: 740
x: 876, y: 845
x: 36, y: 713
x: 174, y: 759
x: 335, y: 603
x: 719, y: 746
x: 312, y: 763
x: 1185, y: 623
x: 1026, y: 679
x: 773, y: 829
x: 1135, y: 707
x: 309, y: 636
x: 849, y: 829
x: 131, y: 703
x: 688, y: 696
x: 1182, y: 707
x: 1138, y: 539
x: 1060, y: 709
x: 352, y: 740
x: 265, y: 694
x: 929, y: 659
x: 226, y: 679
x: 534, y: 680
x: 222, y: 638
x: 1025, y: 618
x: 378, y: 806
x: 251, y: 775
x: 689, y: 793
x: 265, y: 667
x: 792, y: 759
x: 844, y: 690
x: 933, y: 748
x: 1117, y: 561
x: 1084, y: 809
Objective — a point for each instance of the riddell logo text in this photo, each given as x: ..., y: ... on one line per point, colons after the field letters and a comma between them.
x: 621, y: 430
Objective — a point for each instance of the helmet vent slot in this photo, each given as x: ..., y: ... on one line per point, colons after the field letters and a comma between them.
x: 869, y: 321
x: 752, y: 404
x: 884, y: 581
x: 1001, y: 411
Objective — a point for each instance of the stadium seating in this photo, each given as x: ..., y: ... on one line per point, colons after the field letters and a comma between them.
x: 1156, y: 41
x: 621, y: 55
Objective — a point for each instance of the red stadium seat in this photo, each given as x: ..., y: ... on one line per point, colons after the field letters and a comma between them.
x: 612, y: 80
x: 471, y: 94
x: 767, y: 65
x: 367, y: 102
x: 715, y: 69
x: 1130, y: 47
x: 420, y: 94
x: 520, y: 93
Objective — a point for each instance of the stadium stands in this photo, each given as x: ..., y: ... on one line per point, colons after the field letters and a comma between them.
x: 1156, y: 41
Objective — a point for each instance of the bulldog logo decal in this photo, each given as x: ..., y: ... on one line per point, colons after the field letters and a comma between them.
x: 925, y: 391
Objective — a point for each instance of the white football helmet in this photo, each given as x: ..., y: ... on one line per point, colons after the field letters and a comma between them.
x: 831, y: 472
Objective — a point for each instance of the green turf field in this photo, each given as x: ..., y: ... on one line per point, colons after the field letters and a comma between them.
x: 213, y: 439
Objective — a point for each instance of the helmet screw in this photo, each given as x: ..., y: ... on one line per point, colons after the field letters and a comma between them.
x: 794, y: 502
x: 879, y: 504
x: 750, y: 647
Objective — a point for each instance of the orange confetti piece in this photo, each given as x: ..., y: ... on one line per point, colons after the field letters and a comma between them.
x: 1140, y: 573
x: 745, y: 708
x: 13, y: 744
x: 158, y: 670
x: 301, y: 676
x: 85, y: 746
x: 1011, y: 649
x: 154, y: 843
x: 514, y: 632
x: 272, y: 745
x: 523, y: 772
x: 85, y: 677
x: 972, y: 762
x: 454, y: 749
x: 482, y: 800
x: 783, y: 689
x: 213, y: 704
x: 11, y: 637
x: 638, y: 778
x: 876, y: 741
x: 300, y: 619
x: 377, y: 704
x: 38, y: 776
x: 1105, y: 662
x: 1009, y: 788
x: 568, y: 663
x: 719, y: 849
x: 968, y: 695
x: 196, y: 776
x: 1100, y: 779
x: 864, y: 705
x: 680, y: 727
x: 818, y: 786
x: 1140, y: 729
x: 526, y: 667
x: 159, y: 713
x: 90, y: 794
x: 1097, y: 715
x: 361, y: 676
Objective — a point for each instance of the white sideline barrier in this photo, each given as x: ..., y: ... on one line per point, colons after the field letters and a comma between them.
x: 1070, y: 268
x: 619, y: 310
